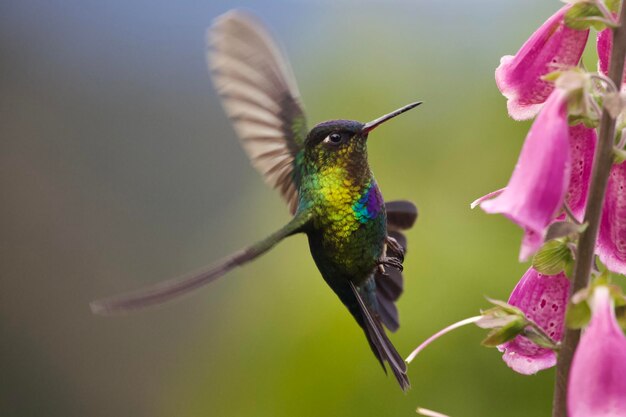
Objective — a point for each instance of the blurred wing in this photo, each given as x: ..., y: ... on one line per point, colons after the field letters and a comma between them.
x: 260, y: 95
x: 168, y: 290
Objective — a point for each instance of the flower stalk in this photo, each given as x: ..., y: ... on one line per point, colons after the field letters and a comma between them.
x: 586, y: 248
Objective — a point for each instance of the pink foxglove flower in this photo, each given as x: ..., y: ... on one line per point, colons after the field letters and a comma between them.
x: 611, y: 246
x: 543, y: 298
x: 537, y: 188
x: 604, y: 43
x: 551, y: 47
x: 597, y: 380
x: 582, y: 146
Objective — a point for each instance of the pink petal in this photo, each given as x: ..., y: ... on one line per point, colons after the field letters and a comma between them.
x: 537, y: 188
x: 543, y: 298
x: 551, y: 47
x: 531, y: 243
x: 611, y: 247
x: 485, y: 197
x: 597, y: 381
x: 604, y: 42
x: 582, y: 145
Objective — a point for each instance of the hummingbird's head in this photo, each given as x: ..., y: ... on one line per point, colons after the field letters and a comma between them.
x: 343, y: 142
x: 336, y: 142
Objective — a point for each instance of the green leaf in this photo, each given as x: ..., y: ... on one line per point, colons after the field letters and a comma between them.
x: 577, y: 315
x: 582, y: 16
x: 552, y: 258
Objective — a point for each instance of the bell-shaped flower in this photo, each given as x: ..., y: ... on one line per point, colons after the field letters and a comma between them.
x: 536, y: 191
x: 553, y: 46
x: 582, y: 148
x: 597, y: 379
x: 611, y: 246
x: 582, y: 142
x: 543, y: 299
x: 527, y: 328
x: 604, y: 43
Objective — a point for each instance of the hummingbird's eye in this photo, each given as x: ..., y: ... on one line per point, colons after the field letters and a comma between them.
x: 334, y: 139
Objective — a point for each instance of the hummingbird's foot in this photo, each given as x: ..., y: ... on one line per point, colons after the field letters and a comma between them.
x: 394, y: 248
x: 390, y: 261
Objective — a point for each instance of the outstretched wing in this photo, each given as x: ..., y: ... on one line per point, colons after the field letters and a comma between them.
x: 260, y: 95
x: 168, y: 290
x: 401, y: 215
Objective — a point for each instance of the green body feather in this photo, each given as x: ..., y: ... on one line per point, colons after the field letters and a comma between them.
x: 349, y: 225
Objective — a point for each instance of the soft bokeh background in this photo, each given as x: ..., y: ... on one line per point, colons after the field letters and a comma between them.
x: 118, y: 168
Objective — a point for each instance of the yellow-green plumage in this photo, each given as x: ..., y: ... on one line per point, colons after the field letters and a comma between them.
x: 335, y: 184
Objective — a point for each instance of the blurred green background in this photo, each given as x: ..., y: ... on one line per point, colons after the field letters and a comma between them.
x: 118, y: 168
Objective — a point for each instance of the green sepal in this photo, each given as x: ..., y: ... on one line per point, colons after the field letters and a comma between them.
x: 577, y: 315
x: 589, y: 122
x: 613, y: 5
x: 540, y: 339
x: 620, y: 315
x: 504, y: 320
x: 563, y: 229
x: 569, y: 270
x: 621, y: 125
x: 619, y: 156
x: 504, y: 306
x: 552, y: 258
x: 494, y: 318
x: 619, y: 299
x: 576, y: 104
x: 503, y: 334
x: 583, y: 15
x: 552, y: 76
x: 579, y: 311
x: 604, y: 278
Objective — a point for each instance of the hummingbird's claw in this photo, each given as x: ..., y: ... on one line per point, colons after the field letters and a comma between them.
x: 392, y: 262
x: 394, y: 248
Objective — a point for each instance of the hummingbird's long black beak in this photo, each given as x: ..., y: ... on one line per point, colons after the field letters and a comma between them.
x: 368, y: 127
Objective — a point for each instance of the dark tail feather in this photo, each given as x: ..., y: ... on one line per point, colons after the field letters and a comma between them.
x: 388, y: 290
x: 380, y: 344
x: 390, y: 283
x: 401, y: 214
x: 388, y: 312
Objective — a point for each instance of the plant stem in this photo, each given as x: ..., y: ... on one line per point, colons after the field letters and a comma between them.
x: 603, y: 161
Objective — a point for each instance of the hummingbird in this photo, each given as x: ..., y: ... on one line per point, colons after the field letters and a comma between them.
x: 355, y: 238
